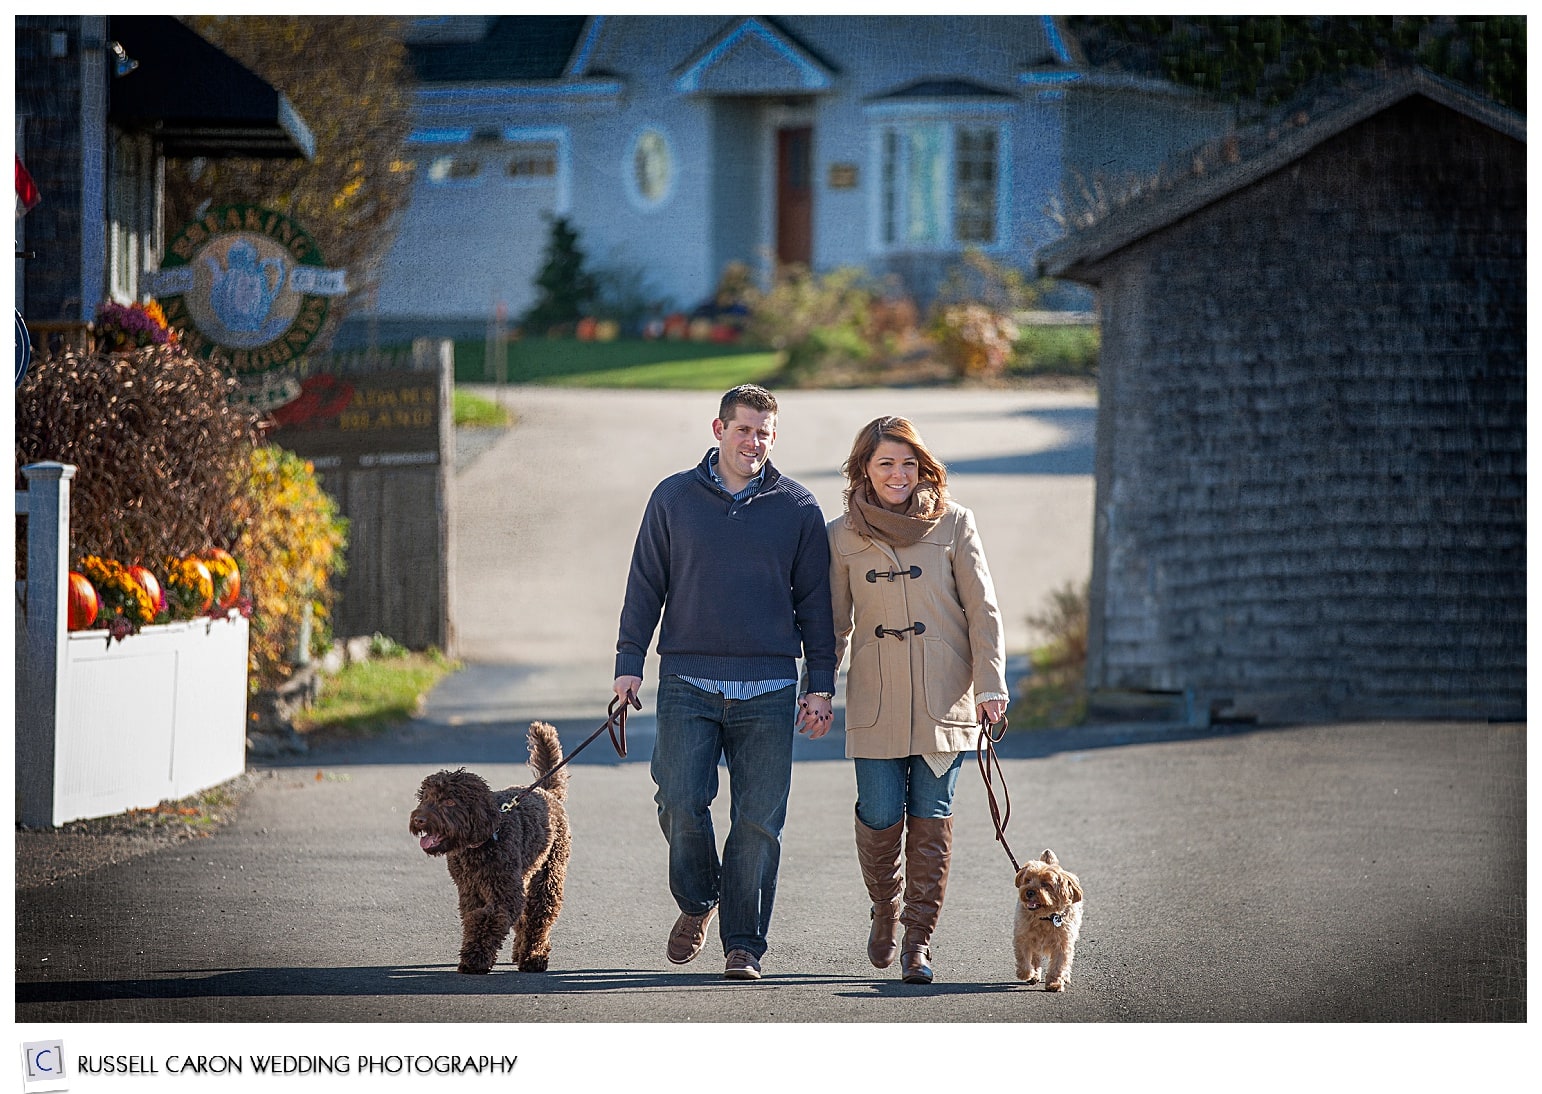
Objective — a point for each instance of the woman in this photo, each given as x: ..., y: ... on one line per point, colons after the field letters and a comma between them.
x: 915, y: 606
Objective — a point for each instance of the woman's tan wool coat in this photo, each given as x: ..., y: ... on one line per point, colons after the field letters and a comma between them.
x: 911, y: 696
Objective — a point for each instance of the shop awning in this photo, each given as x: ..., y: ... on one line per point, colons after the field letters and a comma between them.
x: 196, y: 99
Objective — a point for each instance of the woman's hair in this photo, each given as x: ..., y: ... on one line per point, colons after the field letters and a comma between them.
x: 930, y: 470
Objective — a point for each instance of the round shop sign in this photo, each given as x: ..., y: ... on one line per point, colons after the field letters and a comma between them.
x: 248, y: 283
x: 23, y: 348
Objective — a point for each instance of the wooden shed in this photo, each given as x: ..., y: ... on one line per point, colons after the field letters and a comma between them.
x: 1311, y: 439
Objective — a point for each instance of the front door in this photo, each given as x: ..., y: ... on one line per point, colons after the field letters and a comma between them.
x: 795, y: 194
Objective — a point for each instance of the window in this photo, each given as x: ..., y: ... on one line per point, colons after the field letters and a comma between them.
x: 532, y: 161
x: 649, y: 168
x: 459, y: 168
x: 133, y: 209
x: 941, y: 184
x: 974, y: 186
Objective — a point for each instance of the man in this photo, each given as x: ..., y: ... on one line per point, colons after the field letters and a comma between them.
x: 735, y: 557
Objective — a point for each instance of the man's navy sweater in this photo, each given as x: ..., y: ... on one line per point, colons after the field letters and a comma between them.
x: 743, y: 586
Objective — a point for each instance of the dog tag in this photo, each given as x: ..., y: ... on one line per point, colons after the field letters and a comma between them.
x: 1057, y: 920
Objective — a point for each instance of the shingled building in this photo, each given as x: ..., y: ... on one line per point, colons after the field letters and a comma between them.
x: 1311, y: 434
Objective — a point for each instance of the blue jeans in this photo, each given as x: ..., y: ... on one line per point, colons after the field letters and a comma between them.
x: 888, y: 789
x: 755, y: 736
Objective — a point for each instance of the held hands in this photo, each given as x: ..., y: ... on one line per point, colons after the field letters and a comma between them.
x: 994, y: 709
x: 814, y: 716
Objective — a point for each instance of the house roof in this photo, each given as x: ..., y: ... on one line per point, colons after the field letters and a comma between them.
x: 943, y: 89
x: 1238, y: 161
x: 515, y: 47
x: 196, y: 99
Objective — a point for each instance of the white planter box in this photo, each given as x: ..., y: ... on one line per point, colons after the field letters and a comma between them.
x: 157, y: 716
x: 104, y: 726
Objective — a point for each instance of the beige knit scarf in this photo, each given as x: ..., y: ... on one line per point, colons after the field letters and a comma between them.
x: 867, y: 518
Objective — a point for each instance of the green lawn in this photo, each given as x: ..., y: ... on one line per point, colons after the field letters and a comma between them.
x: 1070, y: 350
x: 479, y: 413
x: 372, y: 695
x: 626, y: 363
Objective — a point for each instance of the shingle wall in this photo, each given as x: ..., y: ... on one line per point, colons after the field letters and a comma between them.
x: 1312, y: 441
x: 48, y: 100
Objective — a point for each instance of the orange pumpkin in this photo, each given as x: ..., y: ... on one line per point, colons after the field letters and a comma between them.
x: 232, y: 586
x: 146, y: 581
x: 83, y: 602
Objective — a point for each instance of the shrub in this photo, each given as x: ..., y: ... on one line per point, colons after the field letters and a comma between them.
x: 627, y: 295
x: 291, y: 544
x: 1055, y: 694
x: 979, y: 279
x: 383, y: 645
x: 893, y: 322
x: 157, y: 446
x: 565, y: 290
x: 815, y: 320
x: 974, y: 340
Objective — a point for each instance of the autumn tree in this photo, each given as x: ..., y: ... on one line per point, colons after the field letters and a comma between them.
x: 1263, y: 60
x: 349, y: 78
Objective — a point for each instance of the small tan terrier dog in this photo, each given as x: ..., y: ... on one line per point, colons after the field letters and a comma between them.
x: 1049, y: 917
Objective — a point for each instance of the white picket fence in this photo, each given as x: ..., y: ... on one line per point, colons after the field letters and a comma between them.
x: 104, y: 726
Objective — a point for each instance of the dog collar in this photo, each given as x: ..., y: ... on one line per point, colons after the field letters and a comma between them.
x: 1057, y: 919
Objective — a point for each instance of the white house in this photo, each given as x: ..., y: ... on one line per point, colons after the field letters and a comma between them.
x: 678, y: 144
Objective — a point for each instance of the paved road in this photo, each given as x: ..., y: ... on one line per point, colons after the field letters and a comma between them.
x: 1362, y: 873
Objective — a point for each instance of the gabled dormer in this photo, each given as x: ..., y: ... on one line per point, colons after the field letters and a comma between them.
x: 755, y: 56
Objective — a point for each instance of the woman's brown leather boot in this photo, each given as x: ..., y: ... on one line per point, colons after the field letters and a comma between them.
x: 878, y: 850
x: 928, y: 853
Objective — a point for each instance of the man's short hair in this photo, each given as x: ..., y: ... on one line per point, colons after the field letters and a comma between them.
x: 752, y: 396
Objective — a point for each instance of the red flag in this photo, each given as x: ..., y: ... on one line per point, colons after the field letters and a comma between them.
x: 27, y: 194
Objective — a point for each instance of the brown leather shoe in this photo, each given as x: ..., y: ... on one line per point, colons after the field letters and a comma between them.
x: 688, y: 935
x: 741, y: 965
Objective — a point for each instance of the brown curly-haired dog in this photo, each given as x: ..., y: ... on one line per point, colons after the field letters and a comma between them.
x: 508, y: 865
x: 1049, y: 919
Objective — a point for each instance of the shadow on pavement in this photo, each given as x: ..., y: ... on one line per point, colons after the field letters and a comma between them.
x: 1073, y: 455
x: 424, y: 742
x: 442, y: 980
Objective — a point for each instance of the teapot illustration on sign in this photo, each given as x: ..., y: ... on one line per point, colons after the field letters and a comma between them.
x: 244, y: 291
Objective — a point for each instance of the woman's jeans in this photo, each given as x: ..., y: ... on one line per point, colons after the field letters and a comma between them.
x: 755, y: 735
x: 888, y: 789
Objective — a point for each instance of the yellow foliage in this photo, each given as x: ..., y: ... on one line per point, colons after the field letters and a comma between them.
x: 291, y: 542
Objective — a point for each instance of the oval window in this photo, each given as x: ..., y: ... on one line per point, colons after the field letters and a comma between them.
x: 650, y: 168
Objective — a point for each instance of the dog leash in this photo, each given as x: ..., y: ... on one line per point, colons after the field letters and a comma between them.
x: 615, y: 723
x: 986, y: 755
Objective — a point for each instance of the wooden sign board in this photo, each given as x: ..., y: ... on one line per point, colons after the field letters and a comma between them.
x: 375, y: 419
